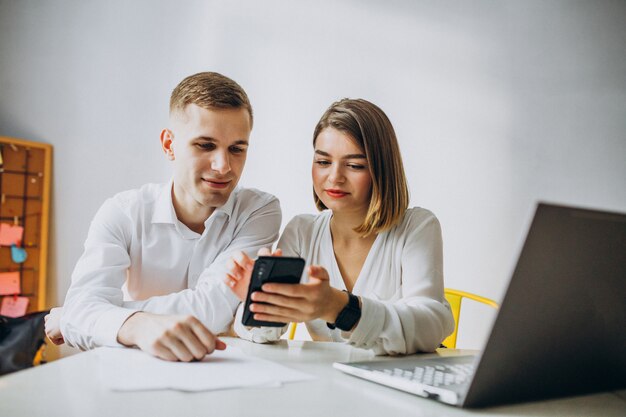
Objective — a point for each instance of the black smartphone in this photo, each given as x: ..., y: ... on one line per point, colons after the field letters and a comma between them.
x: 279, y: 269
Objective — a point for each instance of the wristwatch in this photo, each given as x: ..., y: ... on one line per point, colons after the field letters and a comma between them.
x: 349, y: 316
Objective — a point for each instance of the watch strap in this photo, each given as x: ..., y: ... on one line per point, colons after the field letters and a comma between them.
x: 348, y: 316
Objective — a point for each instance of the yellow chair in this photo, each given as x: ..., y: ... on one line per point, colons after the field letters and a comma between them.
x: 455, y: 297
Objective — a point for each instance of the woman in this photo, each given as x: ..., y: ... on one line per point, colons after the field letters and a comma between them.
x: 375, y: 277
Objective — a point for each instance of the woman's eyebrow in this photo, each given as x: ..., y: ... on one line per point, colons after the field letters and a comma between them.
x: 349, y: 156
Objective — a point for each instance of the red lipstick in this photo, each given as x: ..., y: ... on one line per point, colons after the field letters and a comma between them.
x: 335, y: 193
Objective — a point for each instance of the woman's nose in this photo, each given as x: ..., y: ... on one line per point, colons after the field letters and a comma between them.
x: 336, y: 175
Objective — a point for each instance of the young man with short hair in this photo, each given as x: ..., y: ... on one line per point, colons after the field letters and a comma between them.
x: 155, y: 258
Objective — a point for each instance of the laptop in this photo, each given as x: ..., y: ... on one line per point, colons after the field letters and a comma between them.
x: 560, y: 331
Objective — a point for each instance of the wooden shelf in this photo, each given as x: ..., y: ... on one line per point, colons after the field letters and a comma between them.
x: 25, y: 178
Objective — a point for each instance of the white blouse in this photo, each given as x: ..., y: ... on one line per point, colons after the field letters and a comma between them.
x: 400, y: 284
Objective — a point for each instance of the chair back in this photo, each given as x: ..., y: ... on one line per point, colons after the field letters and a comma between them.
x: 455, y: 298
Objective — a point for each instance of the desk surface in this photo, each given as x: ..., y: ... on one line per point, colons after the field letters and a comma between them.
x: 70, y: 387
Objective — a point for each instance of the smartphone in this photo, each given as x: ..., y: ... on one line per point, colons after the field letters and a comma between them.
x: 279, y: 269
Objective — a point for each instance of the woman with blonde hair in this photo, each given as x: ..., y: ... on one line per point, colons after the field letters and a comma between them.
x: 375, y: 266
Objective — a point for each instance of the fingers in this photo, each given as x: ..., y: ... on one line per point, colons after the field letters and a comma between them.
x: 231, y: 280
x: 240, y: 269
x: 219, y: 345
x: 52, y: 326
x: 208, y: 340
x: 289, y: 290
x: 199, y: 346
x: 276, y: 318
x: 277, y: 299
x: 177, y: 347
x: 195, y: 339
x: 264, y: 252
x: 267, y: 252
x: 173, y: 338
x: 237, y: 267
x: 272, y: 310
x: 56, y: 340
x: 318, y: 272
x: 241, y: 263
x: 162, y: 352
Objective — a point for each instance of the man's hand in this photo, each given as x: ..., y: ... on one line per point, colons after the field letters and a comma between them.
x: 173, y: 338
x: 53, y: 326
x: 240, y: 271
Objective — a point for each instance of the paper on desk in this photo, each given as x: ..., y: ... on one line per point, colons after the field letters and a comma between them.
x: 124, y: 369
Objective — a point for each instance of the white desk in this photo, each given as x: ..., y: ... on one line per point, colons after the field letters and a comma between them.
x: 69, y: 387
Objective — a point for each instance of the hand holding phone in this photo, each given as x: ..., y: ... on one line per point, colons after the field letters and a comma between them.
x: 282, y: 270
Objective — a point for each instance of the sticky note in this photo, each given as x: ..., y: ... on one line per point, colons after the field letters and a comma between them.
x: 10, y: 234
x: 18, y: 255
x: 9, y: 283
x: 14, y: 306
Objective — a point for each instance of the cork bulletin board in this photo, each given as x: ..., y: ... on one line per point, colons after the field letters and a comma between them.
x: 25, y: 170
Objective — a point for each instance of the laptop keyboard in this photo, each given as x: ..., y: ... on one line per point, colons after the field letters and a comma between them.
x: 436, y: 375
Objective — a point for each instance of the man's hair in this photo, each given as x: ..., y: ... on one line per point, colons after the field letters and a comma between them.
x: 372, y: 131
x: 209, y: 90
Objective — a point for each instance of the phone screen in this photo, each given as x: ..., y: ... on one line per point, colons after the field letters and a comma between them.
x: 280, y: 269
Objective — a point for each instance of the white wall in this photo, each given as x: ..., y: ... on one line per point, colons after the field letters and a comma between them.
x: 496, y: 104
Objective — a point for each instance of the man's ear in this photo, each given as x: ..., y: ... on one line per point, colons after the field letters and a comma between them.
x: 167, y: 143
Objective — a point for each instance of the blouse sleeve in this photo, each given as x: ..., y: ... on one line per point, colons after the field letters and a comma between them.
x: 421, y: 318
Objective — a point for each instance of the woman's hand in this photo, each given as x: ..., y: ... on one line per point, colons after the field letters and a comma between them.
x: 240, y: 271
x: 299, y: 302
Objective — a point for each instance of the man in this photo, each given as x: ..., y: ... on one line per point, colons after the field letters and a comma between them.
x: 155, y: 258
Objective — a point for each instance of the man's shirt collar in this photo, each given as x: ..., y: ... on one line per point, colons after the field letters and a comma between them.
x: 164, y: 206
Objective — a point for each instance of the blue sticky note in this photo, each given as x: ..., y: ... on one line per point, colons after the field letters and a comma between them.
x: 18, y: 254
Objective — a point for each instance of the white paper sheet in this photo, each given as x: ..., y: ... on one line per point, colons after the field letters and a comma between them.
x: 124, y: 369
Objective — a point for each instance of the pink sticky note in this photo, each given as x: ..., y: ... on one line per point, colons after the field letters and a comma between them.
x: 9, y: 283
x: 10, y: 234
x: 14, y: 306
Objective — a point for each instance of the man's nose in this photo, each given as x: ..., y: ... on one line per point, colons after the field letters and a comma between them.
x: 221, y: 163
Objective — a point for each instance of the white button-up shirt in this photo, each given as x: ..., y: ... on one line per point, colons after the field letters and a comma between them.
x: 139, y: 257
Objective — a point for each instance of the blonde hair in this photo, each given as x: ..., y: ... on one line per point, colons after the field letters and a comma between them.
x: 372, y: 131
x: 209, y: 90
